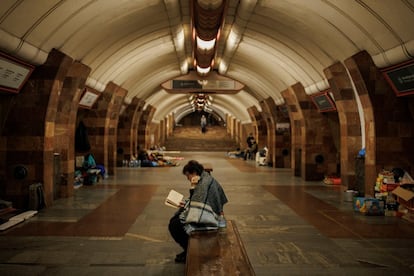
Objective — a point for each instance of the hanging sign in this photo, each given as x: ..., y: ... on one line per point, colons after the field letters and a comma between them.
x: 401, y: 78
x: 13, y: 73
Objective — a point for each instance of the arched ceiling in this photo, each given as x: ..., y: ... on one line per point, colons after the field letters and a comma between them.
x: 267, y: 45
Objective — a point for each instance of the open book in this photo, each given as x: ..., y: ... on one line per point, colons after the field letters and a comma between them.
x: 174, y: 199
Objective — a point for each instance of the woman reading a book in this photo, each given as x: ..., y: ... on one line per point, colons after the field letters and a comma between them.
x: 201, y: 211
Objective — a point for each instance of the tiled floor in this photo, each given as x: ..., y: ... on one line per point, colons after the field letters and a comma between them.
x: 288, y: 226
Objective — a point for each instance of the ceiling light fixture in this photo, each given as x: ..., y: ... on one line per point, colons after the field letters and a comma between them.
x: 203, y: 71
x: 205, y: 45
x: 207, y: 21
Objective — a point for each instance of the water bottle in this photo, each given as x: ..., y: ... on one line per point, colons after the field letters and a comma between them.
x: 222, y: 222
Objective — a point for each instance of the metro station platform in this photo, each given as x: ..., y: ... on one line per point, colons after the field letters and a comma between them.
x: 288, y: 227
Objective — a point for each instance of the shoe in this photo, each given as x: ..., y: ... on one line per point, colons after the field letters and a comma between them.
x: 180, y: 258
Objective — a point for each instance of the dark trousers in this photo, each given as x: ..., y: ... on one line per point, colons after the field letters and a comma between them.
x: 177, y: 231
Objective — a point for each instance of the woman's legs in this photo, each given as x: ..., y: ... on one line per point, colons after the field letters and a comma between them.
x: 177, y: 232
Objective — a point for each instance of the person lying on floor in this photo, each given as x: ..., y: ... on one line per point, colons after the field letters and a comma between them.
x: 238, y: 153
x: 156, y: 160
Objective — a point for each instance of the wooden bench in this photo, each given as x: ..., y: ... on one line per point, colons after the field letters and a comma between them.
x: 217, y: 253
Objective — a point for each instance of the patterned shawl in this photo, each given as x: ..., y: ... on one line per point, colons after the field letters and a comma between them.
x: 205, y: 205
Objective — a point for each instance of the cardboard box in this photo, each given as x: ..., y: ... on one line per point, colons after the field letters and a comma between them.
x: 405, y: 196
x: 369, y: 206
x: 374, y: 207
x: 359, y: 204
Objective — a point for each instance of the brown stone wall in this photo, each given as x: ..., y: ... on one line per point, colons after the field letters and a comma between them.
x: 350, y: 126
x: 269, y: 117
x: 29, y: 131
x: 389, y: 121
x: 94, y: 121
x: 144, y: 127
x: 171, y: 124
x: 228, y: 123
x: 297, y: 128
x: 238, y: 132
x: 73, y: 86
x: 233, y: 128
x: 127, y: 130
x: 102, y: 125
x: 315, y: 136
x: 259, y: 124
x: 6, y: 104
x: 163, y: 131
x: 135, y: 125
x: 283, y: 146
x: 153, y: 131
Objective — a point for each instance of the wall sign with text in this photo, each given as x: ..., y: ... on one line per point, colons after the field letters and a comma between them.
x: 323, y: 102
x: 13, y: 73
x: 88, y: 98
x: 401, y: 78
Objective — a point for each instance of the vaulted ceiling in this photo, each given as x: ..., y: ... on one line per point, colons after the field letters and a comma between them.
x: 267, y: 45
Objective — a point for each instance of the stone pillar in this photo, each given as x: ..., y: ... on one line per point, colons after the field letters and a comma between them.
x: 144, y: 127
x: 297, y: 130
x: 283, y: 139
x: 102, y: 125
x: 135, y: 125
x: 65, y: 126
x: 154, y: 133
x: 260, y: 131
x: 389, y: 126
x: 233, y: 128
x: 171, y: 125
x: 269, y: 117
x: 315, y: 144
x: 29, y: 131
x: 238, y: 133
x: 127, y: 130
x: 163, y: 131
x: 228, y: 123
x: 350, y: 126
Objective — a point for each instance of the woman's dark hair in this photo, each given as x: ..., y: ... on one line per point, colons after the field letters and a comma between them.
x: 193, y: 167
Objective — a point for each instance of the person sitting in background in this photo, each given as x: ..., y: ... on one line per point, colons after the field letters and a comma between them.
x: 90, y: 171
x: 261, y: 156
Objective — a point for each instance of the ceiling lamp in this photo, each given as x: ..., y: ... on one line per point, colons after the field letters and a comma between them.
x: 203, y: 71
x: 200, y: 101
x: 205, y: 45
x: 207, y: 20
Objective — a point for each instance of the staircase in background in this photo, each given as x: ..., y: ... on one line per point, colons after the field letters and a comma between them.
x: 190, y: 138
